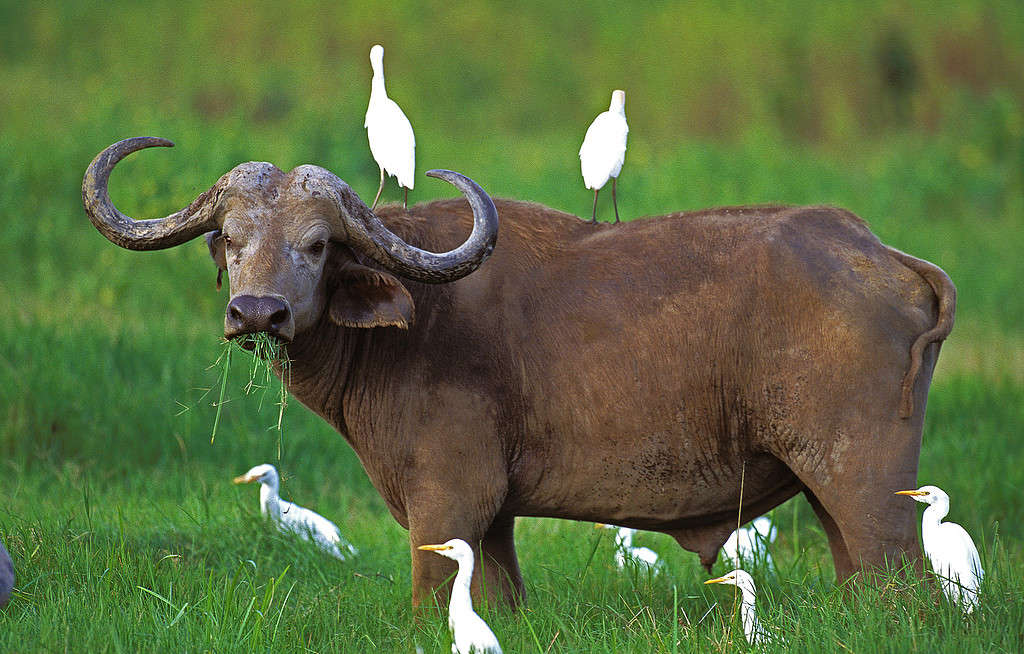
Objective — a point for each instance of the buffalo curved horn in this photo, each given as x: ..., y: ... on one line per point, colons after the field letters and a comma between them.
x: 123, y: 230
x: 364, y: 231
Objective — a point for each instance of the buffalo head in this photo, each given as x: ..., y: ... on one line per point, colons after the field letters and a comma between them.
x: 274, y: 233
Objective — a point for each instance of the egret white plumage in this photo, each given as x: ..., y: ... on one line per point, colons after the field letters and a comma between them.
x: 750, y: 544
x: 752, y: 629
x: 470, y: 634
x: 6, y: 575
x: 291, y: 517
x: 624, y: 549
x: 392, y: 142
x: 604, y: 149
x: 950, y: 549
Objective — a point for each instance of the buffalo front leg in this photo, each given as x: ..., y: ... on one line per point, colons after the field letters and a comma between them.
x: 496, y: 576
x: 500, y: 569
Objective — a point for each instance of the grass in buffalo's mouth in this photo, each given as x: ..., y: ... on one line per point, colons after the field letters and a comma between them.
x: 264, y: 352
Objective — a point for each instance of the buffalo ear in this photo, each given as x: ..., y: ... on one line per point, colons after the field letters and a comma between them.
x: 216, y: 245
x: 365, y: 297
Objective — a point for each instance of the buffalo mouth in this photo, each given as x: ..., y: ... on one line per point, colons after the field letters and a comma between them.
x: 262, y: 344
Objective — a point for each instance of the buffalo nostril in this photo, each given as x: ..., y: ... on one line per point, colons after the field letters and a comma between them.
x: 234, y: 313
x: 279, y: 317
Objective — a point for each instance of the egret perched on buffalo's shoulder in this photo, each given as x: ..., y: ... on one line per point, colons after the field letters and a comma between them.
x: 470, y: 634
x: 294, y: 518
x: 604, y: 149
x: 752, y: 629
x: 950, y: 549
x: 392, y: 141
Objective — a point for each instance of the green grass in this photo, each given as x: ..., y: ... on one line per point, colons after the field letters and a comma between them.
x: 119, y: 511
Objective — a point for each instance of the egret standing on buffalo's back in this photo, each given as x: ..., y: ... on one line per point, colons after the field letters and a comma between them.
x: 604, y: 150
x: 392, y: 142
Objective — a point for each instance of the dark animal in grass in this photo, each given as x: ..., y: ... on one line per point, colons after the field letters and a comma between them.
x: 6, y: 575
x: 631, y: 374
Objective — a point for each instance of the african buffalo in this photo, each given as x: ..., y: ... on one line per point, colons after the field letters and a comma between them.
x: 632, y: 374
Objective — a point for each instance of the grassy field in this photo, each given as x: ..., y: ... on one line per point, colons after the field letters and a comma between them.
x: 119, y: 511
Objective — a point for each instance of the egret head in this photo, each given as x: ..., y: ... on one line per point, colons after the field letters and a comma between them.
x: 264, y: 474
x: 618, y: 101
x: 377, y: 57
x: 455, y: 548
x: 927, y: 495
x: 739, y: 578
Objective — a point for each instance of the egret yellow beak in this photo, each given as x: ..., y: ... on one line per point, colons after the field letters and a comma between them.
x: 912, y: 493
x: 434, y: 548
x: 599, y: 525
x: 244, y: 479
x: 717, y: 580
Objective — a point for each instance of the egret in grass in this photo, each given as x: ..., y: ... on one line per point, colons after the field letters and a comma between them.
x: 752, y: 629
x: 625, y: 550
x: 470, y: 634
x: 392, y: 141
x: 750, y: 543
x: 291, y: 517
x: 604, y: 149
x: 950, y: 549
x: 6, y: 575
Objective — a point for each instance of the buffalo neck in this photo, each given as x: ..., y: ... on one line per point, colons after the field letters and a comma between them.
x: 347, y: 374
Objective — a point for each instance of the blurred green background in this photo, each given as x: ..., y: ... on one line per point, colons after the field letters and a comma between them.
x: 909, y: 113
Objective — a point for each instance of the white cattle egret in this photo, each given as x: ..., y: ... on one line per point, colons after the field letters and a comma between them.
x: 392, y: 142
x: 752, y: 629
x: 750, y: 544
x: 292, y: 517
x: 604, y: 149
x: 470, y: 634
x: 950, y: 549
x: 6, y: 575
x: 624, y: 549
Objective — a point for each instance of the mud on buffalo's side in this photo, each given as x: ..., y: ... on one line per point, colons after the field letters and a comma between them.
x: 629, y: 374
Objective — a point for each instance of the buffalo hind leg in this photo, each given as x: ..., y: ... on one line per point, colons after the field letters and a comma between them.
x: 840, y: 555
x: 877, y: 529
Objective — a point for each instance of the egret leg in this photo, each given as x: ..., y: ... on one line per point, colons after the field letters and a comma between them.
x: 379, y: 189
x: 593, y: 215
x: 614, y: 202
x: 405, y: 199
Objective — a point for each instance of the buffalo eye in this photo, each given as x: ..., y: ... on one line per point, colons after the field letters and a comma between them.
x: 227, y: 240
x: 317, y: 248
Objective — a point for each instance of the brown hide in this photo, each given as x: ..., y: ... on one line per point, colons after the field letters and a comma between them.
x: 633, y: 374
